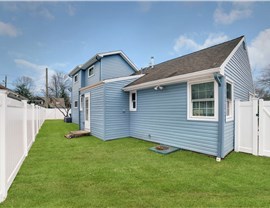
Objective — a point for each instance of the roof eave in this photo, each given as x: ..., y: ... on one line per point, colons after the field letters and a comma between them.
x: 173, y: 80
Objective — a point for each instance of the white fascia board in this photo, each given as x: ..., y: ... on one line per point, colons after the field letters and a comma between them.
x: 173, y: 80
x: 122, y: 78
x: 222, y: 67
x: 75, y: 70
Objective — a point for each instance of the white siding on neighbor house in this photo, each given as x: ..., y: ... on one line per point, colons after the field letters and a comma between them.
x: 161, y: 117
x: 117, y: 110
x: 238, y: 70
x: 96, y: 111
x: 114, y: 66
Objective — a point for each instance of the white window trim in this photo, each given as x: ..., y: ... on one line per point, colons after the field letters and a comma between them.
x: 231, y: 117
x: 130, y: 101
x: 74, y: 103
x: 75, y: 79
x: 189, y: 103
x: 92, y: 67
x: 81, y: 103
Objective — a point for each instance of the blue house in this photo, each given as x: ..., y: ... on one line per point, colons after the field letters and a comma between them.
x: 186, y: 102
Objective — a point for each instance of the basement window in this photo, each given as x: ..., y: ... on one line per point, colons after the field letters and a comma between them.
x: 133, y: 101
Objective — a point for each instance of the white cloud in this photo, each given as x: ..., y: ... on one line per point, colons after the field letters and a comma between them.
x: 240, y: 10
x: 145, y: 6
x: 71, y: 10
x: 259, y: 50
x: 46, y: 14
x: 186, y: 44
x: 28, y: 65
x: 8, y: 30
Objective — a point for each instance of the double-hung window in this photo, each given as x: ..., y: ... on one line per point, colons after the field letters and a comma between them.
x: 229, y: 101
x: 133, y: 101
x: 91, y: 71
x: 75, y: 104
x: 81, y: 103
x: 202, y: 102
x: 76, y: 78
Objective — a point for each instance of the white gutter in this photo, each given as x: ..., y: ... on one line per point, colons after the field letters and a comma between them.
x: 172, y: 80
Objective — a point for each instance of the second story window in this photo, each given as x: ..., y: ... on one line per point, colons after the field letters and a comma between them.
x: 76, y: 78
x: 75, y: 104
x: 91, y: 71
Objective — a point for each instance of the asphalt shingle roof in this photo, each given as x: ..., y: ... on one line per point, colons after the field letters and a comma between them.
x: 208, y: 58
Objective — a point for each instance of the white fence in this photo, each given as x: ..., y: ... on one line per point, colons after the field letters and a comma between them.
x: 19, y: 125
x: 54, y: 113
x: 252, y: 127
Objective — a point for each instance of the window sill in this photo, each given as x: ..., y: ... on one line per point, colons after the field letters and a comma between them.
x: 229, y: 118
x: 91, y: 76
x: 132, y: 110
x: 213, y: 119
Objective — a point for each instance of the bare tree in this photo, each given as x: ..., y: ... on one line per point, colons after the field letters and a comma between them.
x: 60, y: 87
x: 263, y: 84
x: 24, y: 86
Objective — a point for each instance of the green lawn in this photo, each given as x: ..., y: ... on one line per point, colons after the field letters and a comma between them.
x: 87, y: 172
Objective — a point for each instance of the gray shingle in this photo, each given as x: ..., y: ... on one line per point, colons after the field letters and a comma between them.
x: 208, y: 58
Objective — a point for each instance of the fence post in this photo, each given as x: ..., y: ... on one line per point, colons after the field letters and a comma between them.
x: 255, y: 127
x: 25, y: 127
x: 33, y: 121
x: 237, y: 126
x: 261, y: 127
x: 3, y: 181
x: 36, y: 119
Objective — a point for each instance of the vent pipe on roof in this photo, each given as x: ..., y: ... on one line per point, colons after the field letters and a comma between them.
x: 152, y: 62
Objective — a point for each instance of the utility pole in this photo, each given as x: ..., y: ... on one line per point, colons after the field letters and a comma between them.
x: 6, y: 81
x: 47, y: 93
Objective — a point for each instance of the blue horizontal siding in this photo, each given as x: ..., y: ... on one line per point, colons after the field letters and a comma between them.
x: 75, y: 96
x: 117, y: 110
x: 95, y: 78
x: 239, y: 71
x: 96, y: 111
x: 161, y: 117
x: 115, y: 66
x: 228, y: 137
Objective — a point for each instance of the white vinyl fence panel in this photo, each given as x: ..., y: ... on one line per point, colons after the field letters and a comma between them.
x: 19, y: 124
x: 264, y: 128
x: 54, y: 113
x: 252, y: 127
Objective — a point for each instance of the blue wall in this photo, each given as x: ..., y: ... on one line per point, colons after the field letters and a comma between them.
x: 161, y: 117
x: 96, y: 111
x: 75, y: 96
x: 239, y: 71
x: 117, y: 110
x: 95, y: 78
x: 115, y: 66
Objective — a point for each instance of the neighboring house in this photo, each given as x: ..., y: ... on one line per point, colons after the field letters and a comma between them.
x: 12, y: 94
x: 186, y: 102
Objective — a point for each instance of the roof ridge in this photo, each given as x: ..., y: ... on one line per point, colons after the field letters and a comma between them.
x: 240, y: 37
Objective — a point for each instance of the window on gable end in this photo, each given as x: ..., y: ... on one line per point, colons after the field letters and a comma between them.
x: 91, y: 71
x: 76, y: 78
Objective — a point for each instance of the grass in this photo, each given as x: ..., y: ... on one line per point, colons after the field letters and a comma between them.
x: 87, y: 172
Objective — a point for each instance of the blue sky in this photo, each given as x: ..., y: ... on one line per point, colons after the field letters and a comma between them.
x: 61, y: 35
